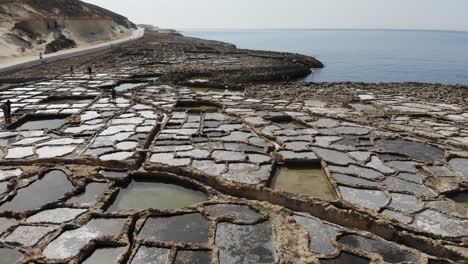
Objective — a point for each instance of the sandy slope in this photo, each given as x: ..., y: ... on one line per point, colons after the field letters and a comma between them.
x: 28, y: 27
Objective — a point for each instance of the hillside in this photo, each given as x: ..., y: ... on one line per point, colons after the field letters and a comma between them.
x: 34, y: 26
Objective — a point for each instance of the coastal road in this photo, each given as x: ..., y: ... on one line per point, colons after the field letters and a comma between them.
x: 31, y: 61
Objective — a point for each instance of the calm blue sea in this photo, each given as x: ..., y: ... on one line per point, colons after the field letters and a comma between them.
x: 364, y: 55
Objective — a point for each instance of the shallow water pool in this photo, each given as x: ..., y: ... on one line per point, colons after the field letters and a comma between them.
x: 140, y: 195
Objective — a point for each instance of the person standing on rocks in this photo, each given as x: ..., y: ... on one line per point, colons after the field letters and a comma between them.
x: 90, y: 72
x: 6, y: 107
x: 72, y: 70
x: 113, y: 94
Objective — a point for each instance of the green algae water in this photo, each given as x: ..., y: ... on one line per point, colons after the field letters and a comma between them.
x: 304, y: 179
x: 141, y: 195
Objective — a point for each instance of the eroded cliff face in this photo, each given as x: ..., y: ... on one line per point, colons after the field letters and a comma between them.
x: 30, y: 26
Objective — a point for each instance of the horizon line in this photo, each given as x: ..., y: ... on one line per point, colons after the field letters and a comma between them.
x: 331, y: 29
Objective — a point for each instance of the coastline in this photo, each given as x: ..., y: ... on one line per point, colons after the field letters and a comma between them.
x: 364, y: 56
x: 222, y: 121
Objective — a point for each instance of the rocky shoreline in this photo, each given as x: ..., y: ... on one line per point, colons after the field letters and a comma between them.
x: 223, y: 138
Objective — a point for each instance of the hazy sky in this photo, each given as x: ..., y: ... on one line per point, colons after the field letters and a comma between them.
x: 397, y: 14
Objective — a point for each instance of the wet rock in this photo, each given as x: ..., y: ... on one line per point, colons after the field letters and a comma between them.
x: 70, y: 242
x: 28, y: 235
x: 332, y: 156
x: 20, y: 152
x: 241, y: 147
x: 29, y: 141
x: 239, y: 212
x: 461, y: 166
x: 192, y: 257
x: 362, y: 107
x: 440, y: 224
x: 414, y: 150
x: 297, y: 156
x: 221, y: 155
x: 320, y: 234
x: 3, y: 187
x: 416, y: 177
x: 404, y: 203
x: 56, y: 216
x: 4, y: 174
x: 169, y: 159
x: 195, y: 153
x: 297, y: 146
x: 378, y: 165
x: 256, y: 121
x: 105, y: 255
x: 351, y: 130
x: 10, y: 256
x: 97, y: 151
x: 326, y: 141
x: 51, y: 152
x: 53, y: 186
x: 92, y: 192
x: 188, y: 228
x: 397, y: 216
x: 448, y: 207
x: 209, y: 167
x: 372, y: 199
x: 237, y: 136
x: 390, y: 252
x: 403, y: 166
x: 247, y: 173
x: 117, y: 156
x: 358, y: 171
x: 127, y: 145
x: 396, y: 185
x: 346, y: 258
x: 325, y: 122
x: 440, y: 171
x: 258, y: 158
x: 151, y: 255
x: 245, y: 243
x: 6, y: 223
x: 350, y: 180
x: 360, y: 155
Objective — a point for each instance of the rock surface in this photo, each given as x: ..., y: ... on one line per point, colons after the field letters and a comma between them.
x: 207, y: 118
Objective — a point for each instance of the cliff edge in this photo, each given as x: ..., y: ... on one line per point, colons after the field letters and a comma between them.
x: 33, y: 26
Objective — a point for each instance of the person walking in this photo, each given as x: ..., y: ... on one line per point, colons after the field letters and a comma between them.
x: 72, y: 70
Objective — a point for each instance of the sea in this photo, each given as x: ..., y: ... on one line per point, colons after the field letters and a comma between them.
x: 362, y: 55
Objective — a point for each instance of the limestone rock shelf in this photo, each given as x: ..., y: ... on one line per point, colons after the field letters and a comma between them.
x: 231, y: 172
